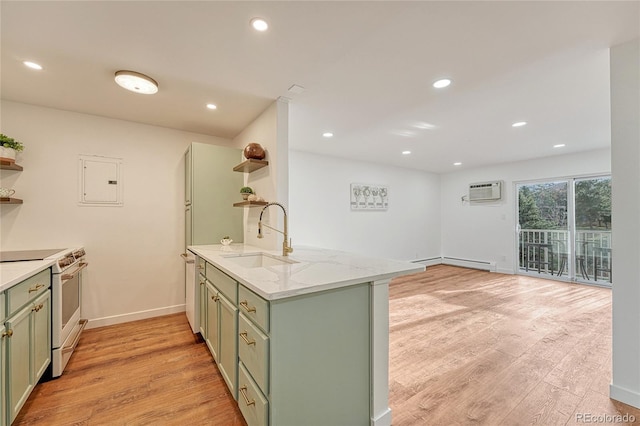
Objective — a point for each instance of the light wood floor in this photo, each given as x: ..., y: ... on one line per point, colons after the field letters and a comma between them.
x: 149, y: 372
x: 473, y: 347
x: 466, y: 347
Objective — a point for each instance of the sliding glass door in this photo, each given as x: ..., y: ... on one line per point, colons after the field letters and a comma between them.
x: 564, y: 229
x: 593, y: 230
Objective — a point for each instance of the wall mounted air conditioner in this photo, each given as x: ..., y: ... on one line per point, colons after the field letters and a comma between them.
x: 485, y: 191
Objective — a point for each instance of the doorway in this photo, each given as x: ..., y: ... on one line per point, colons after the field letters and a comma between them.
x: 564, y: 229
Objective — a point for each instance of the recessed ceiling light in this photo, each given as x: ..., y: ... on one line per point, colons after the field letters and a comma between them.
x: 442, y: 83
x: 560, y: 145
x: 457, y: 163
x: 406, y: 152
x: 32, y: 65
x: 327, y: 135
x: 212, y: 106
x: 519, y: 124
x: 136, y: 82
x: 259, y: 24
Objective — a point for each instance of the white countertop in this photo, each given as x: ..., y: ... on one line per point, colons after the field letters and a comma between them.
x: 315, y: 269
x: 11, y: 273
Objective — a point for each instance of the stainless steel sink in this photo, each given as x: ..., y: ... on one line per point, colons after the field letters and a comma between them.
x: 258, y: 260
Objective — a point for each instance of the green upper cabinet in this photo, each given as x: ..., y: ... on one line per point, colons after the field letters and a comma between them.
x: 211, y: 188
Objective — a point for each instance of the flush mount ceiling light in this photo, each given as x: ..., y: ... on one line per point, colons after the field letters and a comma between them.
x: 560, y: 145
x: 519, y: 124
x: 259, y: 24
x: 32, y: 65
x: 457, y: 163
x: 406, y: 152
x: 136, y: 82
x: 212, y: 106
x: 327, y: 135
x: 442, y: 83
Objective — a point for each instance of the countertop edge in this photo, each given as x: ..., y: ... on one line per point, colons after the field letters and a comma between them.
x: 23, y: 274
x: 401, y: 268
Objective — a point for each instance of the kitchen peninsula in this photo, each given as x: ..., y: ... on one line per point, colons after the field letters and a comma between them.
x: 300, y: 339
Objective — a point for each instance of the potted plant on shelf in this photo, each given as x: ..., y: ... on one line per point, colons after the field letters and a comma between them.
x: 246, y: 191
x: 8, y: 148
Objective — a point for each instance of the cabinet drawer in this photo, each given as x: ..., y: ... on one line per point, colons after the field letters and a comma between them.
x: 227, y: 285
x: 28, y: 289
x: 254, y: 307
x: 200, y: 265
x: 253, y: 405
x: 253, y: 350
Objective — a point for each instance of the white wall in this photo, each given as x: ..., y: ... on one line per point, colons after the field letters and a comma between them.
x: 486, y: 232
x: 133, y: 251
x: 625, y: 142
x: 321, y: 215
x: 270, y: 130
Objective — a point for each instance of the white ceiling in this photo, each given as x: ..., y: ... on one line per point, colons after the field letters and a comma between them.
x: 367, y: 68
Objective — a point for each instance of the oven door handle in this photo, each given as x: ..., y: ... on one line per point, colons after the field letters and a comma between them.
x: 81, y: 266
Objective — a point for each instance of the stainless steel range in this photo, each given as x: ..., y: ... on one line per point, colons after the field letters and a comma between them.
x: 66, y: 295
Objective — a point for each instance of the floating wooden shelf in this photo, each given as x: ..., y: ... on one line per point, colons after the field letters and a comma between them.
x: 10, y: 201
x: 250, y: 204
x: 6, y: 165
x: 250, y: 165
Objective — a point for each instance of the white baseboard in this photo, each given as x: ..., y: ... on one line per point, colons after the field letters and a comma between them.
x: 383, y: 419
x: 626, y: 396
x: 505, y: 271
x: 134, y: 316
x: 468, y: 263
x: 428, y: 262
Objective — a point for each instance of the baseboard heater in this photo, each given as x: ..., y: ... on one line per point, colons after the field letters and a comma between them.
x: 467, y: 263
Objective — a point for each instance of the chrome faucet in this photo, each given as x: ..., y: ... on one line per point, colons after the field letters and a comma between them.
x: 286, y: 248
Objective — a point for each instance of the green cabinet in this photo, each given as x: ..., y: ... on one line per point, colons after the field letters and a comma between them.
x: 211, y: 188
x: 3, y: 375
x: 220, y: 315
x: 228, y: 359
x: 202, y: 302
x: 26, y: 341
x: 305, y: 359
x: 212, y: 334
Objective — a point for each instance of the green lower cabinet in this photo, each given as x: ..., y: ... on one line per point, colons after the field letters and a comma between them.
x: 28, y: 349
x: 19, y: 360
x: 228, y: 353
x: 3, y: 375
x: 212, y: 337
x: 253, y: 405
x: 202, y: 300
x: 41, y: 318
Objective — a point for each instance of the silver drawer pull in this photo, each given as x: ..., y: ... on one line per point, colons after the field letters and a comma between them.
x: 245, y: 305
x: 243, y: 391
x: 246, y: 340
x: 36, y: 288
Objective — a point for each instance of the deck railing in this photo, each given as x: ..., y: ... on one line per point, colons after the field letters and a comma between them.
x: 547, y: 251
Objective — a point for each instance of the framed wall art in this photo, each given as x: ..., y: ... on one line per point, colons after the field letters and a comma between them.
x: 369, y: 197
